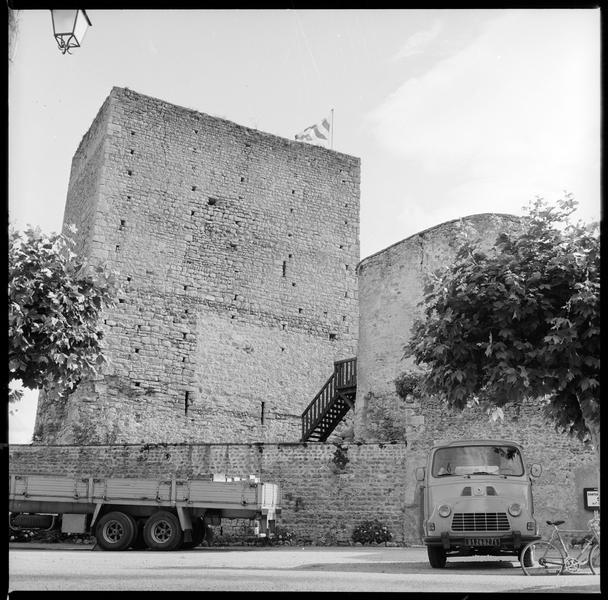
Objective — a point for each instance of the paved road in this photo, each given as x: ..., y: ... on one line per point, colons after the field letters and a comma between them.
x: 351, y: 569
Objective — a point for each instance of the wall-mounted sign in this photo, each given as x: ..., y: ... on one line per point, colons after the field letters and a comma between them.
x: 592, y: 498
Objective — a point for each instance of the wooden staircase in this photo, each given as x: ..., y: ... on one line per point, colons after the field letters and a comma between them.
x: 332, y: 403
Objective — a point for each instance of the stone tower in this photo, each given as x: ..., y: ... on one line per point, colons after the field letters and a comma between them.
x: 391, y: 284
x: 236, y: 252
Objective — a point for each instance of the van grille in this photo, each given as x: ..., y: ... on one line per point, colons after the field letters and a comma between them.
x: 480, y: 522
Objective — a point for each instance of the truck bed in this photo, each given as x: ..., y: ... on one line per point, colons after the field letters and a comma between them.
x: 236, y: 499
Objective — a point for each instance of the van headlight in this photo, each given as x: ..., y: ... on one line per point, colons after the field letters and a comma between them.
x: 444, y: 510
x: 515, y: 509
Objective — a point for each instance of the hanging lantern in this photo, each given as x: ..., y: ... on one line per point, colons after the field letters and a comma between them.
x: 69, y: 27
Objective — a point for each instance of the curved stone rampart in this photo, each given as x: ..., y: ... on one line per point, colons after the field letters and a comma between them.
x: 391, y: 285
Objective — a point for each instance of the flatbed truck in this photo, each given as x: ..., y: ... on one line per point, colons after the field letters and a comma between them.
x: 157, y: 513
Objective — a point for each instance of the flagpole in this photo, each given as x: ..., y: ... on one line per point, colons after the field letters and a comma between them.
x: 332, y: 128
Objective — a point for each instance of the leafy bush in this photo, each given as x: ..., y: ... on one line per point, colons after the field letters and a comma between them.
x: 369, y: 532
x: 408, y: 384
x: 283, y: 535
x: 385, y: 420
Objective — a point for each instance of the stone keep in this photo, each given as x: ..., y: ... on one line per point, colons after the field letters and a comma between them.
x: 236, y: 252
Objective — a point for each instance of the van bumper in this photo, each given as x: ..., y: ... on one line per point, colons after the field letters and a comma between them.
x: 512, y: 541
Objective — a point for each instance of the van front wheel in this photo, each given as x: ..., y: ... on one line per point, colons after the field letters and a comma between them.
x: 437, y: 556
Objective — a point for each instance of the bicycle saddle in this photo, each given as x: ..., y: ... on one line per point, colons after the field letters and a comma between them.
x: 556, y: 523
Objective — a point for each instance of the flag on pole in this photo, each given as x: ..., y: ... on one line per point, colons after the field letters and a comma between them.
x: 317, y: 134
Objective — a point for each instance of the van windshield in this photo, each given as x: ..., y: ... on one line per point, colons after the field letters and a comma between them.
x: 477, y: 460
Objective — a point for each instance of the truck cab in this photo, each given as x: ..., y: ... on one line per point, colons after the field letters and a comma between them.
x: 476, y: 498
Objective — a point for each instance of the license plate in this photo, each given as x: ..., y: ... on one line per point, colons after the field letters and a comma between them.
x: 482, y: 542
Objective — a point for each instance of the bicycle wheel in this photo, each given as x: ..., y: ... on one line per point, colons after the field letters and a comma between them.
x: 541, y: 558
x: 594, y: 559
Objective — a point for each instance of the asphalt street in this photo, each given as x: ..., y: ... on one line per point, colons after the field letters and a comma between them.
x: 62, y: 567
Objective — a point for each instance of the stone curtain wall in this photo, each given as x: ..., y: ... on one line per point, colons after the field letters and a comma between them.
x: 236, y: 251
x: 391, y: 284
x: 327, y: 489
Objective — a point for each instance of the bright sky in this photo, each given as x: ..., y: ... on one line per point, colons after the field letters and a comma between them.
x: 452, y: 112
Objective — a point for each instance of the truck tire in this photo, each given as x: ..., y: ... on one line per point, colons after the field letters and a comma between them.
x: 115, y: 531
x: 197, y: 535
x: 162, y: 531
x: 437, y: 556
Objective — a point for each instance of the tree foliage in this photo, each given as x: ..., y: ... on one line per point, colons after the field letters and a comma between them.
x: 408, y: 385
x: 520, y: 320
x: 55, y: 300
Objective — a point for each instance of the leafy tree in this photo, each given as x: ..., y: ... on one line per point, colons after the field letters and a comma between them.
x: 521, y: 320
x: 55, y: 300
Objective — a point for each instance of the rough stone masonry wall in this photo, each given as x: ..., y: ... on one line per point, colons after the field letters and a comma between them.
x: 236, y: 251
x: 327, y: 489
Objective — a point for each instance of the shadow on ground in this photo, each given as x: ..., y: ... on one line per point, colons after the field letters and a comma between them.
x: 415, y: 567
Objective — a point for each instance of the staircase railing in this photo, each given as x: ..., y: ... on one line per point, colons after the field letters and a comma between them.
x: 314, y: 412
x: 345, y: 372
x: 344, y: 376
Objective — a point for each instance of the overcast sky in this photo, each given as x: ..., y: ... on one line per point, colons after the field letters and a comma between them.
x: 452, y: 112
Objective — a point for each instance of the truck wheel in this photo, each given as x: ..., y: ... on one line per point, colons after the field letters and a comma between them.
x: 115, y: 531
x: 163, y: 532
x: 197, y: 535
x: 437, y: 557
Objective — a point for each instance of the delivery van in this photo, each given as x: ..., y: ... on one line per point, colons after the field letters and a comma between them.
x: 476, y: 498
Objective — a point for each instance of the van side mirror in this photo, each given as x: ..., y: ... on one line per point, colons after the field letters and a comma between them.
x: 535, y: 470
x: 420, y: 473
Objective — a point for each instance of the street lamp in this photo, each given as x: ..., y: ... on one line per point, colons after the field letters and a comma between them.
x: 69, y: 27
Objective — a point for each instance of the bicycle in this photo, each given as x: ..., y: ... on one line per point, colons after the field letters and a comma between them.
x: 552, y: 557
